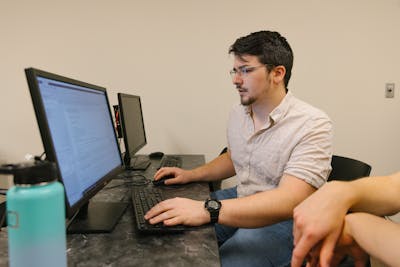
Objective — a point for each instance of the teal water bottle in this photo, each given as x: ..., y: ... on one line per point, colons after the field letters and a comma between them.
x: 36, y: 217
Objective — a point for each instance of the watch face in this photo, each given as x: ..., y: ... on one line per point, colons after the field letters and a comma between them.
x: 213, y: 204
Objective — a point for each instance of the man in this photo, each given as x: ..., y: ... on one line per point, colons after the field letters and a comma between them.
x: 324, y: 232
x: 278, y: 147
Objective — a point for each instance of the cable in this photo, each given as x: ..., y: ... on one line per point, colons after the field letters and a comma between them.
x: 39, y: 158
x: 138, y: 180
x: 130, y: 179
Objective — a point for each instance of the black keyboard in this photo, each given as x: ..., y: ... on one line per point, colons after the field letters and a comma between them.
x: 170, y: 161
x: 143, y: 199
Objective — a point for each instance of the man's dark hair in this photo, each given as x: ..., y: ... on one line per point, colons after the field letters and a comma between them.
x: 271, y: 48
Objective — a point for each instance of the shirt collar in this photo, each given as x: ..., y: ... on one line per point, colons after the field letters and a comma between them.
x: 278, y: 112
x: 247, y: 110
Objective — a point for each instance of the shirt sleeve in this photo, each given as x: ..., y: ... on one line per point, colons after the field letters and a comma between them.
x: 310, y: 159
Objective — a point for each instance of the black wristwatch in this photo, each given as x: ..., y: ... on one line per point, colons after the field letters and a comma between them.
x: 213, y: 206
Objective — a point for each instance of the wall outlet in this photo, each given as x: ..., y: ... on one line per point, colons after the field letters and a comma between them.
x: 389, y: 90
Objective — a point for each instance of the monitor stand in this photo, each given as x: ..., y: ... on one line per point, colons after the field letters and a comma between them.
x: 97, y: 217
x: 137, y: 163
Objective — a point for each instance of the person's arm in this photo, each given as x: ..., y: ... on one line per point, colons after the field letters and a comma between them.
x: 265, y: 208
x: 257, y: 210
x: 377, y: 195
x: 217, y: 169
x: 380, y: 238
x: 319, y: 219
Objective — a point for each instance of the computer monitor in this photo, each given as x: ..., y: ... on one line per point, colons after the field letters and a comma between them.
x: 77, y: 132
x: 133, y: 131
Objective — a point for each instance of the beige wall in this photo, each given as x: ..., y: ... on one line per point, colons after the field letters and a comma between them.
x: 174, y: 55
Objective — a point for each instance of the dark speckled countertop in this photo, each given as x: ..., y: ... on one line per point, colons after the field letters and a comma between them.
x: 126, y: 247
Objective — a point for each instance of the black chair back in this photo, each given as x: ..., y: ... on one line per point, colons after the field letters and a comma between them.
x: 347, y: 169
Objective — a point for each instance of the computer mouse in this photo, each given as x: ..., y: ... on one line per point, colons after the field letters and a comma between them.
x: 156, y: 155
x: 162, y: 180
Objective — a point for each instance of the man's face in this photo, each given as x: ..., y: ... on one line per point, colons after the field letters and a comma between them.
x: 250, y: 78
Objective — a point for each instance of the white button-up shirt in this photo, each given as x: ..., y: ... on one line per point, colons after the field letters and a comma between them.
x: 296, y: 140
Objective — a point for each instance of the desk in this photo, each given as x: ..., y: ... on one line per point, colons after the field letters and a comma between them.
x: 126, y: 247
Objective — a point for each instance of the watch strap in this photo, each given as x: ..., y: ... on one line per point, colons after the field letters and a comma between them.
x: 214, y: 212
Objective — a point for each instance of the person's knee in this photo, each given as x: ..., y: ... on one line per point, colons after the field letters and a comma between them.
x: 237, y: 254
x: 268, y: 246
x: 223, y: 233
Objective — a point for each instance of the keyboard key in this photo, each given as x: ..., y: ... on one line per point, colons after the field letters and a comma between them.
x: 170, y: 161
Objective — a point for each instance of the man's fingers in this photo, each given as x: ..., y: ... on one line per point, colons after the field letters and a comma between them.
x: 327, y: 249
x: 173, y: 221
x: 158, y: 209
x: 163, y: 172
x: 302, y: 248
x: 296, y: 234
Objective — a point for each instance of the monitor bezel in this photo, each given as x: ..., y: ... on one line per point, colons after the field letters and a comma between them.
x: 122, y: 117
x: 47, y: 140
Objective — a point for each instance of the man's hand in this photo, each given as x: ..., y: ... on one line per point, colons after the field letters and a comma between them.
x: 346, y: 245
x: 181, y: 176
x: 179, y: 211
x: 318, y: 223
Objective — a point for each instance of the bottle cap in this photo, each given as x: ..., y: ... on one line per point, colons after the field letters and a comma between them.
x: 34, y: 172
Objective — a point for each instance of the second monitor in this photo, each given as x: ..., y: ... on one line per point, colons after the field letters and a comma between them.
x: 133, y: 131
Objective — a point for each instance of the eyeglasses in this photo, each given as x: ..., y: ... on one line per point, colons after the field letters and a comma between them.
x: 244, y: 70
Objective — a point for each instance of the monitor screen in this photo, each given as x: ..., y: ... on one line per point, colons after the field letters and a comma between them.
x: 77, y: 132
x: 133, y: 131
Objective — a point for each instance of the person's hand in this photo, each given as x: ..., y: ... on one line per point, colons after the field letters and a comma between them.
x: 346, y: 245
x: 317, y: 224
x: 181, y: 176
x: 176, y: 211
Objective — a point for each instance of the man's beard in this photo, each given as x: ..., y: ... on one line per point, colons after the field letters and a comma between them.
x: 245, y: 100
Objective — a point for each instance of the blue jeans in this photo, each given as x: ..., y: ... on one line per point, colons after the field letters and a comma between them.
x: 266, y: 246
